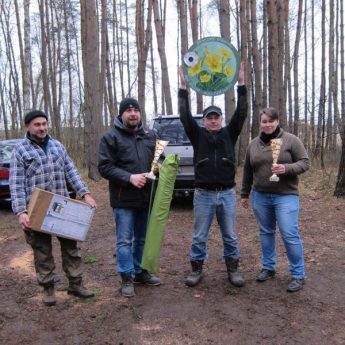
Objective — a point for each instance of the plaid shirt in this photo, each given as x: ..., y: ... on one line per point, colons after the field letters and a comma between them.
x: 32, y: 167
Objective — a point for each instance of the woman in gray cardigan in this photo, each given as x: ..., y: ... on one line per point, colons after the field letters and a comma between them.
x: 275, y: 200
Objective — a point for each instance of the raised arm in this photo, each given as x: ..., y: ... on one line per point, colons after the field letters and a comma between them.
x: 189, y: 123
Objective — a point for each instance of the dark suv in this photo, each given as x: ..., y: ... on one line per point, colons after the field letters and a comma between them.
x: 170, y: 128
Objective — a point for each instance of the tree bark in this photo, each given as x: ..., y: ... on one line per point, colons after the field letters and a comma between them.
x: 143, y: 40
x: 92, y: 105
x: 257, y: 63
x: 162, y: 55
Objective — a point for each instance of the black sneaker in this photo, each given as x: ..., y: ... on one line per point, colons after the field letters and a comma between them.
x: 295, y: 285
x: 265, y: 275
x: 144, y: 277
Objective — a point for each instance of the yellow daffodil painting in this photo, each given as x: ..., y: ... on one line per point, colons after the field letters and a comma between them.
x: 211, y: 66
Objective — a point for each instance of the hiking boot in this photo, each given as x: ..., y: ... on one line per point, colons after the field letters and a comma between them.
x: 79, y: 290
x: 194, y: 278
x: 127, y: 288
x: 234, y: 276
x: 265, y: 275
x: 145, y: 277
x: 295, y: 285
x: 49, y: 296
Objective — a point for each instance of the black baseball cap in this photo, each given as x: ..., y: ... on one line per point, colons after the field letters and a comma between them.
x: 212, y: 109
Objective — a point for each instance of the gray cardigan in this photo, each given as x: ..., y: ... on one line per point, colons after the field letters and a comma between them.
x: 258, y: 163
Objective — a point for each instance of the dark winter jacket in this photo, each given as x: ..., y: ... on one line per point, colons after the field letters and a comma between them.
x: 214, y: 153
x: 121, y: 154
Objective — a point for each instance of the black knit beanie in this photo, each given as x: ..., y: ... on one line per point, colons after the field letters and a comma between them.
x: 33, y: 114
x: 127, y: 103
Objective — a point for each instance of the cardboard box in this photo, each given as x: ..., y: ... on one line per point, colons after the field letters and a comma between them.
x: 57, y: 215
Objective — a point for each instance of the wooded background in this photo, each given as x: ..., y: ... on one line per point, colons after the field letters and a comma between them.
x: 76, y: 60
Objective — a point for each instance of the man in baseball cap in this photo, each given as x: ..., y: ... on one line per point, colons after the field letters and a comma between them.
x: 214, y: 166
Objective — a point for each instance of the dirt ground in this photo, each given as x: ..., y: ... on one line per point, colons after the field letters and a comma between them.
x: 214, y: 312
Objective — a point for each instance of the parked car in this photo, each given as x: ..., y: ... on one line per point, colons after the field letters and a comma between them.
x: 170, y: 128
x: 6, y: 148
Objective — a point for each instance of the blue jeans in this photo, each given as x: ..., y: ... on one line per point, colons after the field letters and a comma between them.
x: 131, y: 224
x: 272, y: 209
x: 206, y: 205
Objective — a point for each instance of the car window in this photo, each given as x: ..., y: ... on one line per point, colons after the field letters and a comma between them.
x: 6, y: 151
x: 172, y: 130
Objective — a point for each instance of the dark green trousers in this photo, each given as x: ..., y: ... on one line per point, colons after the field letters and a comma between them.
x: 41, y: 245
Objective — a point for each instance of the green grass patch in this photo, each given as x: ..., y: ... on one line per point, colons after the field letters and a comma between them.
x: 89, y: 260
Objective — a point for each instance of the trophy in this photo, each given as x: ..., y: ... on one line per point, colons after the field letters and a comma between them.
x: 160, y: 146
x: 275, y: 147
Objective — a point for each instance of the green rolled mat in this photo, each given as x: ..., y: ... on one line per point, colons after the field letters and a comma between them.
x: 159, y: 213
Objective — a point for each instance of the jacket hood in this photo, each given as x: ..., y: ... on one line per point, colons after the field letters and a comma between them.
x: 119, y: 124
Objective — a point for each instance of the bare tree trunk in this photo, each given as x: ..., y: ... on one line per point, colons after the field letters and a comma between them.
x: 115, y: 44
x: 71, y: 140
x: 183, y: 25
x: 273, y: 54
x: 144, y: 39
x: 312, y: 114
x: 244, y: 137
x: 295, y: 68
x: 264, y: 56
x: 182, y: 11
x: 90, y: 51
x: 193, y: 11
x: 51, y: 49
x: 321, y: 117
x: 11, y: 81
x: 153, y: 75
x: 102, y: 86
x: 287, y: 71
x: 127, y: 50
x: 110, y: 89
x: 119, y: 45
x: 257, y: 61
x: 45, y: 79
x: 162, y: 55
x: 25, y: 53
x: 3, y: 108
x: 281, y: 57
x: 306, y: 125
x: 340, y: 185
x: 224, y: 20
x: 329, y: 137
x: 335, y: 80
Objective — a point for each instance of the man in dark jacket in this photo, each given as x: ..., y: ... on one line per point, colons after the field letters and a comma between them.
x: 214, y: 165
x: 126, y: 153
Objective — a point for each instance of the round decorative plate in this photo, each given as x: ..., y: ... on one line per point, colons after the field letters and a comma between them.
x: 211, y: 66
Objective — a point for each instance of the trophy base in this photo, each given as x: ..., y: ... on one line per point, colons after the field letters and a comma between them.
x: 150, y: 176
x: 274, y: 178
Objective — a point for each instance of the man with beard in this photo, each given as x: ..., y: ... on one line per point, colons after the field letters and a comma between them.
x: 126, y: 152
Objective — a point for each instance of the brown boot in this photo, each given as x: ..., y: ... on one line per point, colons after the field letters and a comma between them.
x: 49, y: 295
x: 79, y: 290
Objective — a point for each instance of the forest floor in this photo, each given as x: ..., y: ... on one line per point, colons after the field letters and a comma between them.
x: 214, y: 312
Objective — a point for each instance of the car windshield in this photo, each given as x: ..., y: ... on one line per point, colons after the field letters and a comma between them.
x: 5, y: 152
x: 172, y: 130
